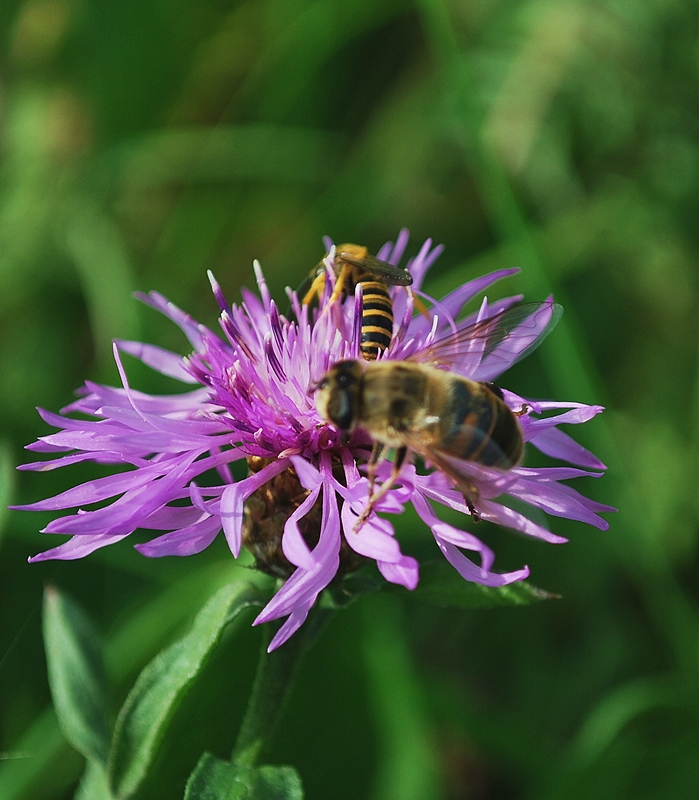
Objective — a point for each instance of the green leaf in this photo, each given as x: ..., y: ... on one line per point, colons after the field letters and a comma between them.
x: 162, y: 685
x: 93, y: 784
x: 76, y: 675
x: 442, y: 585
x: 214, y: 779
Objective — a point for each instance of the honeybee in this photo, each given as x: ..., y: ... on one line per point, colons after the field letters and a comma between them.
x: 354, y: 265
x: 419, y: 405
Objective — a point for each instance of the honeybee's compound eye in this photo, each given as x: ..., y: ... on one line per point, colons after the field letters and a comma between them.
x: 340, y: 410
x: 343, y: 380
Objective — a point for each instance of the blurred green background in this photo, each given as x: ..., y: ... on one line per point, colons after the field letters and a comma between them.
x: 146, y: 142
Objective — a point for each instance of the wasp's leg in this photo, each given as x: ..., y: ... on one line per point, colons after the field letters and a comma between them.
x: 316, y: 289
x: 340, y: 282
x: 375, y: 496
x: 420, y: 306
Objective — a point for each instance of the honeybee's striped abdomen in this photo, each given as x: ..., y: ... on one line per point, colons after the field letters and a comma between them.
x: 481, y: 427
x: 507, y: 435
x: 377, y: 318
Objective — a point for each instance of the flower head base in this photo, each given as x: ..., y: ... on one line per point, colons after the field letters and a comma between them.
x: 307, y: 487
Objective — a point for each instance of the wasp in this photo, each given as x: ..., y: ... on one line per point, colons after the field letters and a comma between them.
x: 355, y: 266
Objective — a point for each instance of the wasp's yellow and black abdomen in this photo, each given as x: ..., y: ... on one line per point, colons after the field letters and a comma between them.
x: 377, y: 317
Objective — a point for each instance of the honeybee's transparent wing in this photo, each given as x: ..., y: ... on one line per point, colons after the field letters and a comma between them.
x: 460, y: 472
x: 394, y: 276
x: 485, y: 349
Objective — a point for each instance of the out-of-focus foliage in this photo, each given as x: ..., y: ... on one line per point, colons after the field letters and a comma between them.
x: 144, y: 143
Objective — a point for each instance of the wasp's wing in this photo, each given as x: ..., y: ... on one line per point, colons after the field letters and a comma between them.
x: 305, y: 285
x: 395, y: 276
x: 486, y: 348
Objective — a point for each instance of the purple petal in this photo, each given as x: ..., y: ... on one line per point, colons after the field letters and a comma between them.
x: 468, y: 570
x: 171, y: 518
x: 77, y: 547
x: 508, y: 518
x: 373, y: 540
x: 579, y: 413
x: 308, y: 475
x: 157, y: 358
x: 294, y: 545
x: 190, y: 327
x: 218, y: 292
x: 185, y: 404
x: 184, y: 542
x: 302, y: 588
x: 556, y: 473
x: 560, y: 501
x: 449, y: 539
x: 419, y: 265
x: 76, y: 458
x: 557, y: 444
x: 98, y: 489
x: 404, y: 572
x: 456, y: 300
x: 289, y: 628
x: 126, y: 513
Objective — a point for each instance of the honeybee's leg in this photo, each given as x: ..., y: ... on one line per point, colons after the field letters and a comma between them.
x: 375, y: 496
x: 374, y: 461
x: 475, y: 516
x: 522, y: 411
x: 316, y: 289
x: 468, y: 491
x: 470, y: 495
x: 340, y: 282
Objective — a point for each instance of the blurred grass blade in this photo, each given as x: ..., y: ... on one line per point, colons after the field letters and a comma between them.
x: 98, y: 251
x: 159, y: 689
x: 619, y: 708
x: 224, y: 154
x: 76, y: 675
x: 214, y: 779
x: 441, y: 585
x: 40, y: 752
x: 409, y: 767
x: 7, y: 482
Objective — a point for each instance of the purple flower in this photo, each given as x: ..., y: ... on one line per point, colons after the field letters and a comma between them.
x: 307, y: 486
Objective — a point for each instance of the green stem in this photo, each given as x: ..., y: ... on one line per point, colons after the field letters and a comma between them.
x: 275, y: 674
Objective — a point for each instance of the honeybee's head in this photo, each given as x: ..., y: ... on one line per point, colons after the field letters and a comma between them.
x: 337, y: 394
